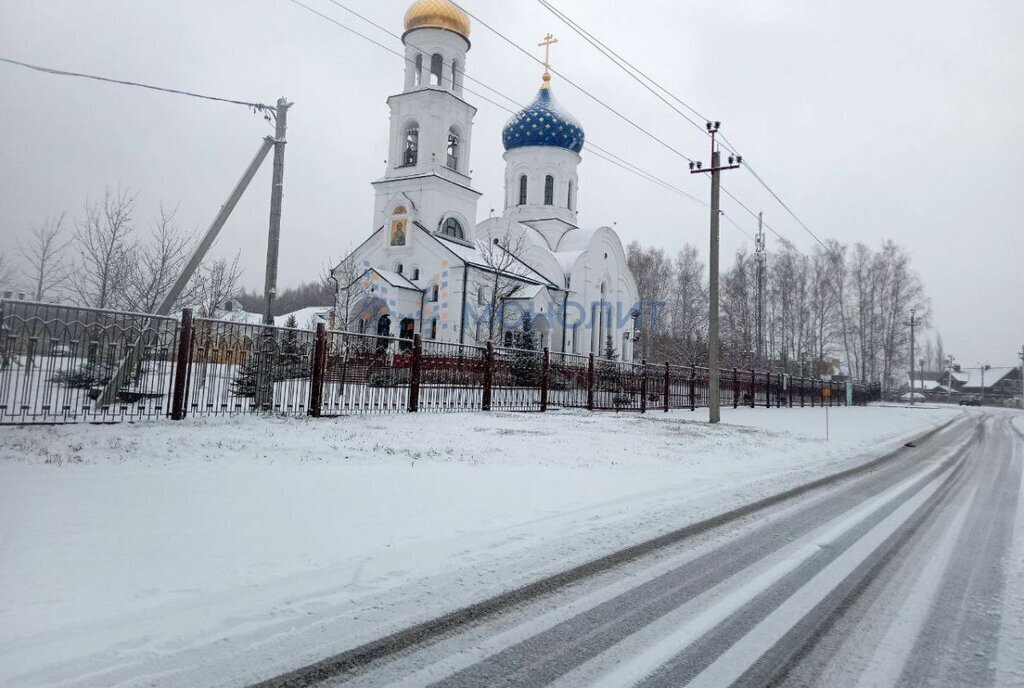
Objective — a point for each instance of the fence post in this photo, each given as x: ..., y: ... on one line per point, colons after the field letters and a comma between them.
x: 590, y: 382
x: 414, y: 373
x: 643, y: 385
x: 768, y: 389
x: 693, y: 386
x: 667, y: 385
x: 485, y: 404
x: 316, y: 381
x: 545, y: 374
x: 753, y: 388
x: 802, y: 382
x: 735, y: 388
x: 181, y: 365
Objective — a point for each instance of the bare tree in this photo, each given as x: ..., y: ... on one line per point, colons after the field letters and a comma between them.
x: 351, y: 287
x: 45, y: 268
x: 687, y: 310
x: 105, y: 252
x: 157, y: 265
x: 502, y: 254
x: 6, y: 270
x: 215, y: 282
x: 652, y: 271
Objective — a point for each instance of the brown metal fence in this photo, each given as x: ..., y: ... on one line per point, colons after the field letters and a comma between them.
x: 63, y: 365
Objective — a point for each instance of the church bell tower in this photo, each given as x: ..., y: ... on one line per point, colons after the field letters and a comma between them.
x: 427, y: 181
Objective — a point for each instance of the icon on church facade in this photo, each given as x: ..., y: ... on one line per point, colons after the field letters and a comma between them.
x: 398, y: 232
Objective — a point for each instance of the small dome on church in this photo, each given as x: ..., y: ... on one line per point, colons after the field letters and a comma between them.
x: 437, y: 14
x: 543, y: 123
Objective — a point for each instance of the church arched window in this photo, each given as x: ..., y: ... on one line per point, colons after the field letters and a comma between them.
x: 399, y: 268
x: 433, y: 328
x: 436, y: 67
x: 453, y: 150
x: 453, y: 228
x: 522, y: 189
x: 417, y: 79
x: 455, y: 73
x: 481, y: 296
x: 571, y: 202
x: 415, y: 273
x: 411, y: 151
x: 435, y: 294
x: 549, y: 190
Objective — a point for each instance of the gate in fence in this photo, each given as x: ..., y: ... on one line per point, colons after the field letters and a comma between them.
x: 63, y: 365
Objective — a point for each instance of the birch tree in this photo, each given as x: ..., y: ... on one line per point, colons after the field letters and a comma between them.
x: 46, y: 270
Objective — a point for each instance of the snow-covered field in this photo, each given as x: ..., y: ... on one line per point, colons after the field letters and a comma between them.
x: 216, y: 552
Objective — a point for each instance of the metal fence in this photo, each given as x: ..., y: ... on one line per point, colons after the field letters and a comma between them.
x: 62, y: 365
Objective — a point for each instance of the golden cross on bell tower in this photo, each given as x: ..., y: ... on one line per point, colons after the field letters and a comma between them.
x: 548, y: 41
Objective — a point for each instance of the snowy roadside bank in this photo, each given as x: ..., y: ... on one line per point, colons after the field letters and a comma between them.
x: 228, y: 550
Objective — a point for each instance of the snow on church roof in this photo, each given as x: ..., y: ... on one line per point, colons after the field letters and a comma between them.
x: 472, y: 256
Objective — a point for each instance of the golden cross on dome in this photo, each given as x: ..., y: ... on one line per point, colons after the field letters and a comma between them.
x: 548, y: 41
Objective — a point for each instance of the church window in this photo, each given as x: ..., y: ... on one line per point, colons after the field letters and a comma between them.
x: 455, y: 72
x: 453, y: 150
x: 522, y: 189
x: 453, y: 228
x: 412, y: 145
x: 433, y: 328
x: 436, y: 65
x: 415, y: 273
x: 418, y: 76
x: 399, y: 268
x: 481, y: 296
x: 571, y: 201
x: 435, y: 294
x: 508, y: 339
x: 549, y: 190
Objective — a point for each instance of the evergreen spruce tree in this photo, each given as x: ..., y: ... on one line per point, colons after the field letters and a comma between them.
x: 244, y: 384
x: 526, y: 362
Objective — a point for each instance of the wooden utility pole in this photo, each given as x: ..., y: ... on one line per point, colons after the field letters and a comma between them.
x: 276, y: 193
x: 913, y: 323
x: 1021, y: 355
x: 714, y: 374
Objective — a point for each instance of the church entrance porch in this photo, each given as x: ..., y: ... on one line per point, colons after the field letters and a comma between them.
x: 406, y: 331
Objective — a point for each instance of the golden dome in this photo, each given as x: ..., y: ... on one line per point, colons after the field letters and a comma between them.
x: 437, y: 14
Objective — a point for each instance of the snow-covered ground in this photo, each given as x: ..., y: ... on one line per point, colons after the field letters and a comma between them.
x: 219, y: 551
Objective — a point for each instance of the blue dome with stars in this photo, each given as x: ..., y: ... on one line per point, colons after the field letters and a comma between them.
x: 543, y: 123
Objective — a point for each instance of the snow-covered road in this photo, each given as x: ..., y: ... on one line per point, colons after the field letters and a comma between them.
x: 225, y: 551
x: 905, y: 575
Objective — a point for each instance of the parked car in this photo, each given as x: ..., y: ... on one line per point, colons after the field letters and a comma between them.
x: 970, y: 401
x: 916, y: 396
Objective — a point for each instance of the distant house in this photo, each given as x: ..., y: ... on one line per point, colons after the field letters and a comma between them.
x: 997, y: 383
x: 1001, y: 382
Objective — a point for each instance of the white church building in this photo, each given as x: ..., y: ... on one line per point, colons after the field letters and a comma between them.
x: 429, y: 267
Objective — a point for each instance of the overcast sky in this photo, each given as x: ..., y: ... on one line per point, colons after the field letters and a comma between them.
x: 872, y: 119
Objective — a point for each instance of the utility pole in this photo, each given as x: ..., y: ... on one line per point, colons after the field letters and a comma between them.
x: 276, y: 193
x: 913, y: 323
x: 1021, y: 355
x: 949, y: 378
x: 714, y: 374
x: 760, y: 259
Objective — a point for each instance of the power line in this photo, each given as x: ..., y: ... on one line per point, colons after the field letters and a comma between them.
x: 572, y: 83
x: 624, y: 65
x: 255, y: 107
x: 642, y: 78
x: 597, y: 150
